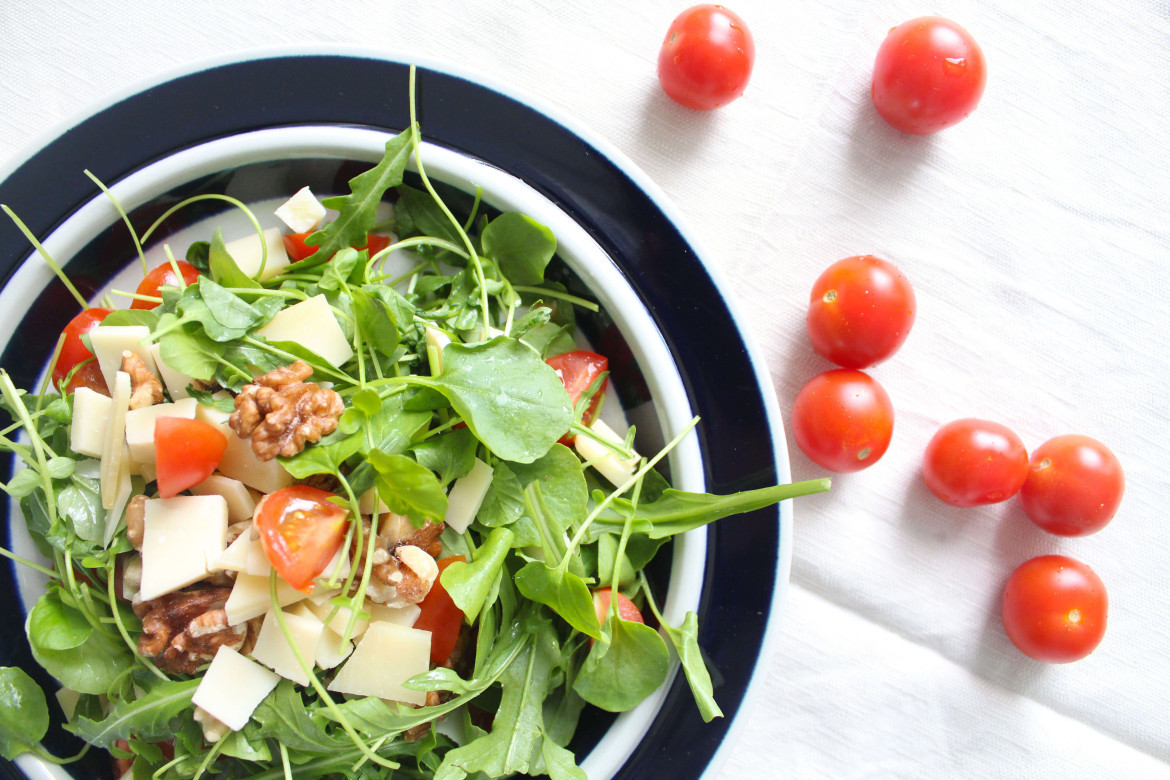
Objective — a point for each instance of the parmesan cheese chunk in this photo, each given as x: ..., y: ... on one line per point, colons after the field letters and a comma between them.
x: 250, y: 598
x: 405, y: 615
x: 302, y: 212
x: 140, y: 426
x: 273, y: 648
x: 386, y: 656
x: 235, y: 557
x: 248, y: 252
x: 339, y: 619
x: 233, y: 687
x: 91, y: 422
x: 114, y: 448
x: 312, y: 325
x: 603, y: 459
x: 467, y: 496
x: 182, y: 539
x: 240, y: 503
x: 110, y: 341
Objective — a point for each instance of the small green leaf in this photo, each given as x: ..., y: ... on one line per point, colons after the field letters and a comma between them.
x: 685, y: 639
x: 56, y: 625
x: 520, y: 246
x: 468, y: 584
x: 617, y: 675
x: 408, y: 488
x: 148, y: 716
x: 223, y: 267
x: 564, y: 592
x: 24, y: 714
x: 23, y: 483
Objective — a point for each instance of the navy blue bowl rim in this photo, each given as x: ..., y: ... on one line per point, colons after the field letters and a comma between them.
x: 601, y: 194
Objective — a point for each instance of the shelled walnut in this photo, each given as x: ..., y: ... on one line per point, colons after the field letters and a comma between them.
x: 282, y: 412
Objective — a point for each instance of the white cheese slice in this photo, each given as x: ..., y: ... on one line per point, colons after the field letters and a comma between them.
x: 302, y: 212
x: 233, y: 687
x: 274, y: 651
x: 405, y: 615
x: 436, y: 340
x: 466, y: 496
x: 256, y: 560
x: 122, y: 490
x: 240, y: 462
x: 113, y: 453
x: 248, y: 253
x: 331, y: 650
x: 176, y: 381
x: 110, y: 341
x: 240, y: 503
x: 311, y: 324
x: 91, y: 422
x: 386, y: 656
x: 68, y: 699
x: 235, y: 557
x: 140, y: 426
x: 250, y: 597
x: 340, y: 617
x: 615, y: 469
x: 182, y: 539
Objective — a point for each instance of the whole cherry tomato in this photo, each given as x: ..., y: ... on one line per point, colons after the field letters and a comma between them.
x: 860, y: 311
x: 971, y: 462
x: 706, y: 58
x: 843, y: 420
x: 929, y: 74
x: 1074, y: 486
x: 300, y: 530
x: 74, y: 351
x: 163, y: 274
x: 1055, y: 609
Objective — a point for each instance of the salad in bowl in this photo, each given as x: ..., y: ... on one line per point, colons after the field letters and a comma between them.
x: 348, y: 495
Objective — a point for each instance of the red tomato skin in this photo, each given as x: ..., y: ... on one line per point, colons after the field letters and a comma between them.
x: 706, y: 58
x: 187, y: 452
x: 1074, y: 486
x: 300, y: 531
x: 577, y: 370
x: 297, y: 249
x: 440, y: 616
x: 163, y: 275
x: 860, y: 311
x: 971, y: 462
x: 627, y: 610
x: 1055, y: 609
x: 843, y: 420
x: 929, y: 74
x: 73, y: 351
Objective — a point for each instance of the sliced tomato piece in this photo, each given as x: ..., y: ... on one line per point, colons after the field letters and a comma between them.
x: 440, y: 616
x: 74, y: 351
x: 578, y: 370
x: 298, y: 250
x: 163, y: 275
x: 300, y: 530
x: 602, y: 597
x: 186, y: 453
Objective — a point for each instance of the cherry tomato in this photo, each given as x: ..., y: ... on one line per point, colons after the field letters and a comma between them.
x: 578, y: 370
x: 1074, y: 486
x: 860, y: 311
x: 626, y: 609
x: 929, y: 74
x: 74, y: 351
x: 972, y: 462
x: 297, y: 249
x: 186, y: 453
x: 440, y: 616
x: 706, y: 58
x: 843, y: 420
x: 163, y: 275
x: 301, y: 530
x: 1055, y: 609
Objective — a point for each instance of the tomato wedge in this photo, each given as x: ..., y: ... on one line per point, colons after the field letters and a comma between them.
x: 602, y: 597
x: 74, y: 351
x: 301, y: 530
x: 186, y: 453
x: 298, y: 250
x: 578, y: 370
x: 163, y: 275
x: 440, y: 616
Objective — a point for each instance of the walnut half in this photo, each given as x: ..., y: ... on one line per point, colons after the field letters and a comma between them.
x: 182, y: 631
x: 282, y: 412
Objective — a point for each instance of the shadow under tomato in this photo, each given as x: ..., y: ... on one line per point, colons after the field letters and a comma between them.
x: 886, y: 158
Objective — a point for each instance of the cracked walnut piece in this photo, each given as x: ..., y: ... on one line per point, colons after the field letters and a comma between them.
x: 182, y: 631
x: 145, y: 389
x: 282, y: 412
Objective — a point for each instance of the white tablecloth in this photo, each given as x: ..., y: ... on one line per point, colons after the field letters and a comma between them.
x: 1036, y: 233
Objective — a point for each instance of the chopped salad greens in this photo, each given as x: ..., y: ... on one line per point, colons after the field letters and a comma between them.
x: 306, y: 516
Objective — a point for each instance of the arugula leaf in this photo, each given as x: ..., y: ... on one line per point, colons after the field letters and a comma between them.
x: 325, y: 457
x: 450, y: 455
x: 511, y: 399
x: 563, y: 492
x: 375, y: 322
x: 148, y: 716
x: 24, y: 714
x: 283, y: 716
x: 193, y: 354
x: 408, y: 488
x: 357, y: 211
x: 223, y: 267
x: 145, y: 317
x: 520, y: 246
x: 504, y: 502
x: 617, y: 675
x: 468, y: 584
x: 685, y: 639
x: 565, y: 592
x: 417, y: 214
